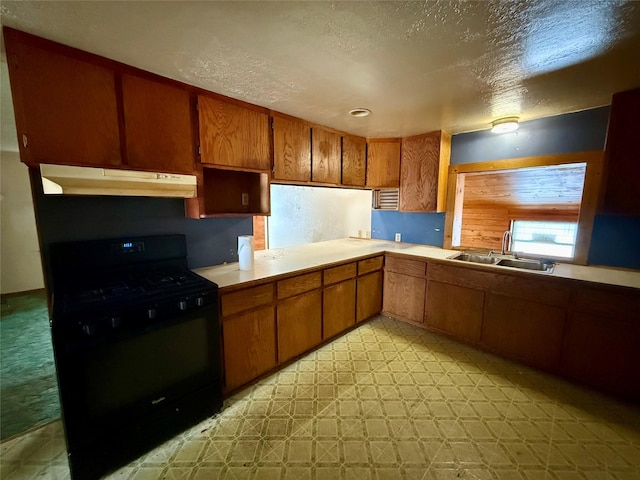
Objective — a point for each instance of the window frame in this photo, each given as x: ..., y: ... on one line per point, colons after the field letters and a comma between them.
x: 590, y: 194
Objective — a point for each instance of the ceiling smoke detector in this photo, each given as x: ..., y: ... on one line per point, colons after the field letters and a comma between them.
x: 360, y: 112
x: 505, y: 125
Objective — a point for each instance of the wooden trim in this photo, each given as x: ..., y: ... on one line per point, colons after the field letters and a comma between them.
x: 453, y: 217
x: 588, y: 206
x: 443, y: 171
x: 524, y: 162
x: 318, y: 184
x: 590, y: 193
x: 385, y: 140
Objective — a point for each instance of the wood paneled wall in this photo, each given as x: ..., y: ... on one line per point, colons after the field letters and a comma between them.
x: 484, y: 224
x: 491, y: 200
x: 259, y: 233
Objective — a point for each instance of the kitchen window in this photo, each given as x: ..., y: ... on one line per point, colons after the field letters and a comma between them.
x: 555, y: 239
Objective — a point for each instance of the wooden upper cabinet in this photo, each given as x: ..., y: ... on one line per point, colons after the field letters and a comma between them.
x: 383, y: 163
x: 326, y: 153
x: 233, y: 136
x: 423, y: 172
x: 291, y: 150
x: 157, y: 122
x: 354, y: 160
x: 65, y: 108
x: 622, y: 180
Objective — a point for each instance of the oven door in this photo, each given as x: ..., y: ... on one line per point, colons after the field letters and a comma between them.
x: 138, y: 386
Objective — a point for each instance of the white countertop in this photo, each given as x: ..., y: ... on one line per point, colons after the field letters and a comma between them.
x: 283, y: 261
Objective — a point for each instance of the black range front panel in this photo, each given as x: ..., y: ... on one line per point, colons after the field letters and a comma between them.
x: 137, y: 350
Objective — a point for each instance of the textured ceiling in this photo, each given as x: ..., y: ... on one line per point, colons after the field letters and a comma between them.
x: 419, y: 66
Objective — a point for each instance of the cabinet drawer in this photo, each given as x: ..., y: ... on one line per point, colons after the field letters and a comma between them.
x: 369, y: 265
x: 415, y: 268
x: 300, y: 284
x: 246, y: 299
x: 338, y: 274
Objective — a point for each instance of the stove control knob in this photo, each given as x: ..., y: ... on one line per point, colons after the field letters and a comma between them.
x: 199, y: 301
x: 182, y: 305
x: 89, y: 328
x: 151, y: 313
x: 115, y: 321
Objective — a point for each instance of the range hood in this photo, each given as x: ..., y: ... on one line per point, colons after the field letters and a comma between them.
x: 64, y: 179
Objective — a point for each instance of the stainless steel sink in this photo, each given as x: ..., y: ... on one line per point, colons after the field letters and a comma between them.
x: 538, y: 265
x: 477, y: 258
x: 501, y: 261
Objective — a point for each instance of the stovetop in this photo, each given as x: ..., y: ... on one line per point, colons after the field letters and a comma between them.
x: 112, y: 285
x: 128, y: 291
x: 134, y: 287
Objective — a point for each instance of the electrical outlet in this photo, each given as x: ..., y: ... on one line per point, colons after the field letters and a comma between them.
x: 245, y: 199
x: 398, y: 237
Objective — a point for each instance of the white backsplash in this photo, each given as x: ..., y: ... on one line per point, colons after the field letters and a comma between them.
x: 301, y: 215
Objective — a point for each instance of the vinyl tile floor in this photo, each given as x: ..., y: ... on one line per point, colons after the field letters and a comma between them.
x: 385, y: 401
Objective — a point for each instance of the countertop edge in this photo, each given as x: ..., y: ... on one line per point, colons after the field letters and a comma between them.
x: 271, y: 265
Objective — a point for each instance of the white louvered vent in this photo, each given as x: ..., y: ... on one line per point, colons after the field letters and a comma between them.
x: 385, y: 199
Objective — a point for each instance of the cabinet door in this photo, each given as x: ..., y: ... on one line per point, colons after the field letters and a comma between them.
x: 454, y: 310
x: 299, y: 325
x: 325, y: 157
x: 603, y: 351
x: 354, y: 160
x: 621, y: 155
x: 404, y: 296
x: 291, y: 150
x: 233, y: 136
x: 383, y: 164
x: 249, y: 342
x: 602, y: 339
x: 157, y: 121
x: 369, y: 296
x: 65, y: 108
x: 339, y: 308
x: 419, y: 168
x: 525, y: 330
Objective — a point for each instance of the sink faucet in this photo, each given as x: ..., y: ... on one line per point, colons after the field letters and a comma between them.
x: 506, y: 241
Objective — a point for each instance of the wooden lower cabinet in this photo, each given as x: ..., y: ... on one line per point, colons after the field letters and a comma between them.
x: 524, y: 330
x: 249, y: 343
x: 404, y: 296
x: 339, y: 308
x: 369, y: 295
x: 454, y: 310
x: 602, y: 340
x: 603, y: 352
x: 299, y: 324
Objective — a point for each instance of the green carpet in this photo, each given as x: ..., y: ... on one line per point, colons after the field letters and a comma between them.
x: 28, y: 386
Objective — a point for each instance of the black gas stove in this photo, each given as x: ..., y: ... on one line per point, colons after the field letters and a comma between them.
x: 136, y: 339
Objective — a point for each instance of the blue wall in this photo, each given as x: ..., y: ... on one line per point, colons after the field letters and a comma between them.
x: 424, y: 228
x: 614, y: 241
x: 573, y: 132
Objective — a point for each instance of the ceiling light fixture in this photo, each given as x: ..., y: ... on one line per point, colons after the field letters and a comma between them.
x: 504, y: 125
x: 360, y: 112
